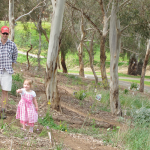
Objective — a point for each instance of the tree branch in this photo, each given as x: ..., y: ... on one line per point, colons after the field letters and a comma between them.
x: 30, y: 11
x: 124, y: 3
x: 108, y: 6
x: 101, y: 3
x: 130, y: 51
x: 124, y: 28
x: 86, y: 16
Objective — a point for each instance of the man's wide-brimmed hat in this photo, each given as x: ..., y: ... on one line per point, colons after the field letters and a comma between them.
x: 4, y: 29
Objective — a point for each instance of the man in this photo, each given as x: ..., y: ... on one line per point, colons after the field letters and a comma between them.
x: 8, y: 56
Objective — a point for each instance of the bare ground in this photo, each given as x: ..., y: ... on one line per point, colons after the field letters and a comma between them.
x: 73, y: 113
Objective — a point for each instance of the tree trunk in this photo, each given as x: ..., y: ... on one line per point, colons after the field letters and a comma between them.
x: 39, y: 51
x: 102, y: 45
x: 52, y: 56
x: 102, y: 64
x: 81, y: 63
x: 80, y: 48
x: 115, y: 43
x: 91, y: 58
x: 144, y: 67
x: 63, y: 63
x: 133, y: 65
x: 11, y: 20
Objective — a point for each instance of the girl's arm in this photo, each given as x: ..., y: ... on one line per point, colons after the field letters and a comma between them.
x: 35, y: 103
x: 19, y: 91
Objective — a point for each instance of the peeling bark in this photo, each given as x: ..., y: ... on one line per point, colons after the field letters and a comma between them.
x: 144, y: 67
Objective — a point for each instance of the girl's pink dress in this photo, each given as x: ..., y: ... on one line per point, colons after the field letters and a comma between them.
x: 26, y: 112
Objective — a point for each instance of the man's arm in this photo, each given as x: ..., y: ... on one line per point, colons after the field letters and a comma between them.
x: 14, y: 55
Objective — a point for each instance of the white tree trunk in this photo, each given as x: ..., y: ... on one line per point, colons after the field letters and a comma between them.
x: 11, y: 19
x: 144, y: 67
x: 115, y: 44
x: 51, y: 68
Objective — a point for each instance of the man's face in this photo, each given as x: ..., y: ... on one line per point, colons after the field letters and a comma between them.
x: 4, y: 36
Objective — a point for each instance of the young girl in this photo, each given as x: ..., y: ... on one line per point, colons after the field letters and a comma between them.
x: 26, y: 111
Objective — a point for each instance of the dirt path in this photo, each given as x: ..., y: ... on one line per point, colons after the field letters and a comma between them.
x: 80, y: 142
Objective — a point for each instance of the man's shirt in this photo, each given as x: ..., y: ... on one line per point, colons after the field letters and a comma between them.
x: 8, y: 55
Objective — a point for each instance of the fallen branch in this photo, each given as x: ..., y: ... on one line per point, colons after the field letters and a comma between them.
x: 28, y: 58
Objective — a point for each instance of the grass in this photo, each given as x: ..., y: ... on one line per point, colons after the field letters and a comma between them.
x: 33, y: 61
x: 135, y: 81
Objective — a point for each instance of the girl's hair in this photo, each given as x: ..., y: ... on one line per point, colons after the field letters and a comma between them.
x: 29, y: 81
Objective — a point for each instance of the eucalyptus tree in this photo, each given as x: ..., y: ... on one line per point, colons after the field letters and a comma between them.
x: 20, y: 8
x: 115, y: 48
x: 97, y: 16
x: 11, y: 19
x: 66, y: 45
x: 144, y: 66
x: 37, y: 18
x: 116, y: 30
x: 137, y: 15
x: 52, y: 55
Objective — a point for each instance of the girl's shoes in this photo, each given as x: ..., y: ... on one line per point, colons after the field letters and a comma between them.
x: 23, y: 129
x: 31, y: 129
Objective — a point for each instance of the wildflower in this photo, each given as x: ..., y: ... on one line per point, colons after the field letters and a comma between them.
x: 66, y: 130
x: 49, y: 102
x: 90, y: 106
x: 42, y: 118
x: 47, y: 127
x: 37, y: 129
x: 26, y: 138
x: 84, y: 94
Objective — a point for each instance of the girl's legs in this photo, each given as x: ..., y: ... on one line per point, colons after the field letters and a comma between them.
x: 31, y: 127
x: 23, y: 125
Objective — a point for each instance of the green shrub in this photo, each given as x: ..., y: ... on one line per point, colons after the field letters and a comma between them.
x: 80, y: 95
x: 49, y: 122
x: 137, y: 138
x: 17, y: 82
x: 126, y: 91
x: 142, y: 116
x: 134, y: 85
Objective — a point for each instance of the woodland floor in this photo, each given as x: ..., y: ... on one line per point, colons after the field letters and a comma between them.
x: 73, y: 113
